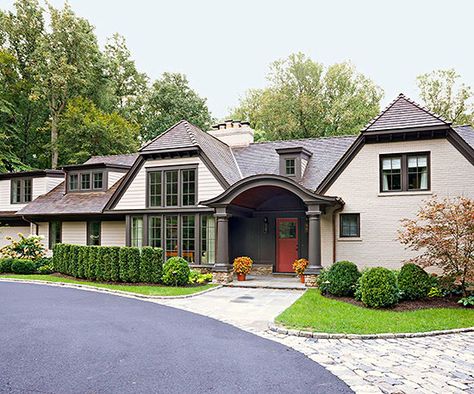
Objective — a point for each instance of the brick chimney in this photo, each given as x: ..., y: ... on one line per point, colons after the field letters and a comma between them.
x: 233, y: 133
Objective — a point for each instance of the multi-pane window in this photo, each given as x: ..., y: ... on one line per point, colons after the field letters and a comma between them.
x: 54, y: 233
x: 392, y: 173
x: 349, y: 225
x: 93, y: 233
x: 85, y: 181
x: 73, y: 182
x: 21, y: 190
x: 98, y: 180
x: 188, y: 187
x: 171, y: 187
x: 404, y: 172
x: 208, y: 239
x: 154, y: 231
x: 418, y: 172
x: 290, y: 166
x: 154, y: 188
x: 136, y: 234
x: 171, y: 236
x: 188, y: 239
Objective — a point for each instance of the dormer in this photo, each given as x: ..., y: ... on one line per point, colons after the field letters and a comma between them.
x: 234, y: 133
x: 293, y: 161
x: 93, y: 177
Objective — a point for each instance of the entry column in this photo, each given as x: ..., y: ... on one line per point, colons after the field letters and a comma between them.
x: 223, y: 270
x: 314, y: 246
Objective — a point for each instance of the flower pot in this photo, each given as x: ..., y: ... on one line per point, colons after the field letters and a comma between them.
x: 302, y: 278
x: 240, y: 277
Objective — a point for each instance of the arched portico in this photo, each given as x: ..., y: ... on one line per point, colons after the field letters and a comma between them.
x: 272, y: 219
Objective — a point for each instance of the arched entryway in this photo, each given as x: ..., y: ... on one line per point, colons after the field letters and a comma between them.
x: 272, y: 219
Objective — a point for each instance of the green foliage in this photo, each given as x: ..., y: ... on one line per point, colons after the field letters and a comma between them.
x: 134, y: 264
x: 151, y: 265
x: 100, y: 272
x: 378, y: 288
x: 45, y: 269
x: 123, y: 265
x: 322, y: 281
x: 467, y: 301
x: 305, y: 99
x: 23, y: 266
x: 112, y: 266
x: 342, y: 277
x: 6, y: 265
x: 43, y: 261
x: 195, y: 277
x: 435, y: 292
x: 413, y: 282
x: 176, y: 272
x: 24, y: 247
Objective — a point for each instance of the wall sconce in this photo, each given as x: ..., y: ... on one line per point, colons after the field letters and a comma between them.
x: 265, y: 225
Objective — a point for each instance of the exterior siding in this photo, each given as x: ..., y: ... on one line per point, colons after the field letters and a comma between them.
x: 74, y: 233
x: 12, y: 232
x: 380, y: 214
x: 113, y: 177
x: 43, y: 231
x: 113, y: 233
x: 135, y: 196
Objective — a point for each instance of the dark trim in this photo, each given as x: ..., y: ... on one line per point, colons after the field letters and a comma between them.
x: 168, y: 151
x: 406, y: 129
x: 50, y: 246
x: 341, y: 216
x: 166, y: 210
x: 22, y: 190
x: 461, y: 145
x: 105, y: 181
x: 92, y: 166
x: 88, y: 234
x: 34, y: 174
x: 293, y: 150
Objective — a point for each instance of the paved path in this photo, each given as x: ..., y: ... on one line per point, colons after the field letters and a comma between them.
x: 60, y: 340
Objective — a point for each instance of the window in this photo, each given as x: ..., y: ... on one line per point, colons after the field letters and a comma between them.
x: 136, y: 235
x: 73, y: 182
x: 290, y: 166
x: 154, y: 231
x: 171, y: 236
x: 85, y: 181
x: 98, y: 180
x: 93, y: 233
x: 188, y: 239
x: 154, y: 188
x: 55, y: 235
x: 208, y: 239
x: 349, y: 225
x: 171, y: 187
x: 404, y: 172
x: 188, y: 187
x: 21, y: 190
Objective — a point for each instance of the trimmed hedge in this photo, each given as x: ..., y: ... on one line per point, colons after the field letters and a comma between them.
x: 414, y: 282
x: 109, y: 263
x: 23, y: 266
x: 342, y: 277
x: 378, y: 288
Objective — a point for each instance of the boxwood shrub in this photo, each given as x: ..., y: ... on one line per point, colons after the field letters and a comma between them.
x: 6, y: 265
x: 150, y: 265
x: 342, y: 277
x: 414, y: 282
x: 23, y: 266
x: 176, y: 272
x: 378, y: 288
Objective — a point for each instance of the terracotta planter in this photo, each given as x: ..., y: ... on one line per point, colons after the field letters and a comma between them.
x: 302, y: 278
x: 240, y: 277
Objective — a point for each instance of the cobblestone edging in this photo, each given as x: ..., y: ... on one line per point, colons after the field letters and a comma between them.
x: 105, y: 290
x: 322, y: 335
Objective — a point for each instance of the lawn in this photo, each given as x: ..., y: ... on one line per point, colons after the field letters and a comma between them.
x: 152, y: 290
x: 317, y: 313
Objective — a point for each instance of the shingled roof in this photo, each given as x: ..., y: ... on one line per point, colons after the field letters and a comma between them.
x: 466, y: 132
x: 121, y: 160
x: 404, y: 113
x: 185, y: 135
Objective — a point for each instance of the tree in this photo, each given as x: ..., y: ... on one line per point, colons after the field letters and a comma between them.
x: 85, y: 131
x: 444, y: 95
x: 443, y: 231
x: 304, y: 100
x: 170, y: 100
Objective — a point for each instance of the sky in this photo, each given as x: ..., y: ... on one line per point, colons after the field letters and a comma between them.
x: 225, y: 47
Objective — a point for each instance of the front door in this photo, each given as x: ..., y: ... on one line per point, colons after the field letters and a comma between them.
x: 287, y: 243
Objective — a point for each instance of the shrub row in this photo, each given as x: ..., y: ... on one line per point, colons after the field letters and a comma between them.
x: 109, y: 263
x: 22, y: 266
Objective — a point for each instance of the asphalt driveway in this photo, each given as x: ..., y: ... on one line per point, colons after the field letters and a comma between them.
x: 60, y: 340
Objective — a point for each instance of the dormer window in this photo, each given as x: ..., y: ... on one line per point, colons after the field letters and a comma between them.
x: 98, y: 180
x: 293, y: 161
x: 86, y: 181
x: 73, y: 182
x: 290, y: 167
x: 21, y: 190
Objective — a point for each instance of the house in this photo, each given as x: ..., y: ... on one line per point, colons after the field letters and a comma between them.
x: 212, y: 196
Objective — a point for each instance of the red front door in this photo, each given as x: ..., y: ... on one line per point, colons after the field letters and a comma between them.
x: 287, y: 243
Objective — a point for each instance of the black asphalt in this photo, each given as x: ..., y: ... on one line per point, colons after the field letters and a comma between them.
x: 59, y: 340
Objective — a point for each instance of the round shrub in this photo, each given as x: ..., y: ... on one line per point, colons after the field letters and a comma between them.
x: 6, y: 265
x: 176, y: 272
x: 378, y: 288
x: 322, y: 281
x: 414, y: 282
x: 342, y: 277
x: 23, y: 266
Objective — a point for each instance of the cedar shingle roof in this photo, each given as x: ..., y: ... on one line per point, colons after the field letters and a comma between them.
x: 404, y: 113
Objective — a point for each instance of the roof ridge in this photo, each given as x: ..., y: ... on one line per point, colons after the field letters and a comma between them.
x: 190, y: 132
x: 303, y: 139
x: 159, y: 135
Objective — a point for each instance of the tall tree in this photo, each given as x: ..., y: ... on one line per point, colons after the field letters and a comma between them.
x: 304, y: 99
x: 85, y: 130
x: 443, y: 94
x: 170, y: 100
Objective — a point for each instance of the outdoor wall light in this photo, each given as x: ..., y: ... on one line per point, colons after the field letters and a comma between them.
x: 265, y: 225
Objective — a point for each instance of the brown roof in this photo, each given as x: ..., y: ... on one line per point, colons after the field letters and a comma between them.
x: 56, y: 202
x: 121, y: 160
x: 404, y: 113
x: 7, y: 214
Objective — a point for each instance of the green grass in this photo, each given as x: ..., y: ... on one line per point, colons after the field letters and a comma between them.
x: 152, y: 290
x: 317, y: 313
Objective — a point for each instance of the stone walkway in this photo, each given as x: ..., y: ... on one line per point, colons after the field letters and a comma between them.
x: 441, y: 364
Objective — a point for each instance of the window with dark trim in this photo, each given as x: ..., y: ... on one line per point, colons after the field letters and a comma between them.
x: 171, y: 236
x: 208, y: 239
x: 98, y: 180
x: 290, y: 166
x: 21, y: 190
x: 154, y: 187
x: 188, y: 187
x: 172, y: 187
x: 349, y: 225
x: 73, y: 182
x: 188, y: 237
x: 136, y: 233
x: 93, y: 232
x: 405, y: 172
x: 154, y: 231
x: 55, y: 233
x: 86, y: 180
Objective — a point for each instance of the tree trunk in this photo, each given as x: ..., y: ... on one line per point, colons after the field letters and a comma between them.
x: 54, y: 140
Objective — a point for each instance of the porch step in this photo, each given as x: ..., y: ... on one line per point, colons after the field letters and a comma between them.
x: 269, y: 282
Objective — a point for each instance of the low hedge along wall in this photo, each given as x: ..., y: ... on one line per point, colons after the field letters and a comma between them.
x: 109, y: 263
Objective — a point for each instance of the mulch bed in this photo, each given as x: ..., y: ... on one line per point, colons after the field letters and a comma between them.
x: 435, y: 302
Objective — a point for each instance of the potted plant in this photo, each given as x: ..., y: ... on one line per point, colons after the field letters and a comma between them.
x: 299, y: 266
x: 242, y: 266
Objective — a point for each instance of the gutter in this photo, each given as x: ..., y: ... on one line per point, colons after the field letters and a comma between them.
x: 31, y: 222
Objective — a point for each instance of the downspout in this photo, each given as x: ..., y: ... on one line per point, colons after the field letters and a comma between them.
x: 31, y: 221
x: 334, y: 214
